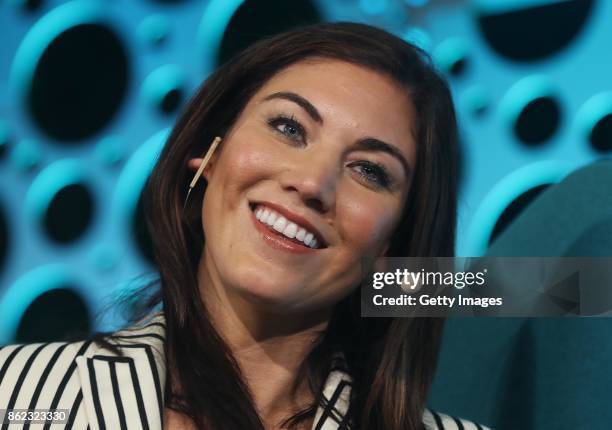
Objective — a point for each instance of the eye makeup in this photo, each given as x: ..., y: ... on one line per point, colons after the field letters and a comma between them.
x: 290, y: 128
x: 294, y: 130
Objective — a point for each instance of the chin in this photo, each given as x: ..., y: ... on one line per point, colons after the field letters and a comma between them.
x: 273, y: 297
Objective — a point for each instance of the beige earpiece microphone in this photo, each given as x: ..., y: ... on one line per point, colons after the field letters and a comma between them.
x: 209, y: 154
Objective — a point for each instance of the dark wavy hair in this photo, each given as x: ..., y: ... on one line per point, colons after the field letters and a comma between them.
x: 392, y: 360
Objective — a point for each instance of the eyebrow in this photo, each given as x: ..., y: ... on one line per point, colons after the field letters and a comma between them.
x: 373, y: 144
x: 301, y: 101
x: 365, y: 144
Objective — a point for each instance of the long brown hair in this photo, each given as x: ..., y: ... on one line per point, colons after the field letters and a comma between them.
x: 391, y: 360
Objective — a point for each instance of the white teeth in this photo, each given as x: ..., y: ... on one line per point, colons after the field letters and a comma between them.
x: 271, y: 218
x: 280, y: 224
x: 284, y: 226
x: 290, y: 230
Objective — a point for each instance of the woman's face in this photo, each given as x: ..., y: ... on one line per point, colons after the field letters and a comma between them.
x: 329, y: 146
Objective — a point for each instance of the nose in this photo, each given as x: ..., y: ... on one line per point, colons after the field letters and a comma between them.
x: 315, y: 179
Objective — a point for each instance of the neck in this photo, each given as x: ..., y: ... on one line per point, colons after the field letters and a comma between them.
x: 269, y: 347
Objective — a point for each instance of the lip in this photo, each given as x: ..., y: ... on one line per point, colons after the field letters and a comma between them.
x: 300, y: 221
x: 276, y: 240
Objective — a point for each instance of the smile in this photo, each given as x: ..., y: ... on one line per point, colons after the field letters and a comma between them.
x: 287, y: 228
x: 283, y: 233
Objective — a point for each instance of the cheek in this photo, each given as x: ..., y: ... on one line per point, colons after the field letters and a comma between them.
x: 366, y: 223
x: 247, y: 159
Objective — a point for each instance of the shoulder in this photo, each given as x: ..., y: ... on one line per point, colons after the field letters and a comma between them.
x: 34, y: 355
x: 54, y: 364
x: 55, y: 373
x: 32, y: 373
x: 434, y: 420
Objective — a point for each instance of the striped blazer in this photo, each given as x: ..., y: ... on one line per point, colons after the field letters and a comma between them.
x: 98, y: 389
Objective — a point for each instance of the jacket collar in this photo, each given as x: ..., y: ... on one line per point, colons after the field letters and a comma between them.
x: 130, y: 389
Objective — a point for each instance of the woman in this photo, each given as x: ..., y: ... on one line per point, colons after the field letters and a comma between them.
x: 333, y: 144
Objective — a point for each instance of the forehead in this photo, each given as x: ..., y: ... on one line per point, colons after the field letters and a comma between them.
x: 349, y: 95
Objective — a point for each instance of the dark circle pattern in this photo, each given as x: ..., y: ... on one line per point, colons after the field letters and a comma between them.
x: 514, y: 209
x: 69, y: 213
x: 451, y: 56
x: 58, y: 314
x: 538, y: 120
x: 536, y: 31
x: 254, y: 20
x: 458, y: 67
x: 601, y: 135
x: 29, y: 5
x: 163, y: 89
x: 171, y: 100
x: 79, y: 83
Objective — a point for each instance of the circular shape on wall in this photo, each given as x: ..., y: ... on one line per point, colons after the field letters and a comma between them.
x: 127, y: 205
x: 451, y: 56
x: 538, y: 120
x: 56, y: 315
x: 20, y: 295
x: 69, y: 213
x: 502, y: 196
x: 499, y: 20
x: 27, y: 4
x: 164, y: 89
x: 228, y: 26
x: 514, y: 209
x: 532, y: 110
x: 60, y: 201
x: 254, y: 20
x: 601, y: 136
x: 594, y: 122
x: 71, y: 71
x: 153, y: 29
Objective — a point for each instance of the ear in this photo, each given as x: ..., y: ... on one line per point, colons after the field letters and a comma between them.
x: 194, y: 164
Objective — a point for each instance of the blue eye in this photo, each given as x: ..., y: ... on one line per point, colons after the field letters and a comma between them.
x: 288, y: 127
x: 375, y: 173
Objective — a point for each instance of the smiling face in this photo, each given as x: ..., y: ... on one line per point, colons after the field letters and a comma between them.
x: 330, y: 146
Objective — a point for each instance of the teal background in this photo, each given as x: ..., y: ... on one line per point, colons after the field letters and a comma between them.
x: 89, y: 90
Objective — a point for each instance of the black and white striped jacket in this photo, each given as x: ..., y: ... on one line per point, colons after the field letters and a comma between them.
x: 101, y: 390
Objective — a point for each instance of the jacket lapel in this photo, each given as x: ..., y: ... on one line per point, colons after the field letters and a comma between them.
x: 333, y: 413
x: 126, y: 392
